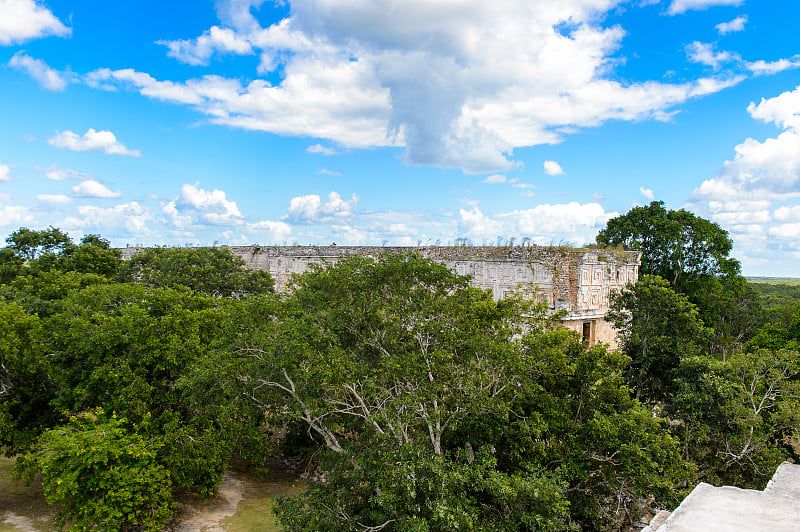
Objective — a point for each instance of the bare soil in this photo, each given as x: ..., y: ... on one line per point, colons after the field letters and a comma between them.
x: 244, y: 503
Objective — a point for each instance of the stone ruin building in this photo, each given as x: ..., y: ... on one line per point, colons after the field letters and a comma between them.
x: 578, y: 281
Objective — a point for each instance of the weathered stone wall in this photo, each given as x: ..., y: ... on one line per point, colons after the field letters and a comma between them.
x: 577, y: 280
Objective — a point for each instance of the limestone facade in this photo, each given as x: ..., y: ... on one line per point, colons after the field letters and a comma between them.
x: 579, y: 281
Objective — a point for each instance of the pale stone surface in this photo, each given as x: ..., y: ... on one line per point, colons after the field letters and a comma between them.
x: 786, y: 481
x: 579, y: 281
x: 729, y: 509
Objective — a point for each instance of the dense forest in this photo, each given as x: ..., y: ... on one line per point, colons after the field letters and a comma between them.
x: 427, y: 405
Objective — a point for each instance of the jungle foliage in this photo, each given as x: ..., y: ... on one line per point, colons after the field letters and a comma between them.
x: 426, y: 404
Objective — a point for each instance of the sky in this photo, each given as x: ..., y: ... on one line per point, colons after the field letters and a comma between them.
x: 421, y: 122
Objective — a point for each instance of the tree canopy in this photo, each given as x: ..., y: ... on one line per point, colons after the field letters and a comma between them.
x: 674, y: 244
x: 212, y: 271
x: 425, y: 404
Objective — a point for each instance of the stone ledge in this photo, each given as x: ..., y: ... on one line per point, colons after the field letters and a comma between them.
x: 729, y: 509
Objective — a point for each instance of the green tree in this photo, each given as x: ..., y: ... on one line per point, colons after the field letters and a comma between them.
x: 436, y: 416
x: 657, y: 327
x: 737, y: 417
x: 674, y: 244
x: 29, y: 244
x: 103, y: 474
x: 125, y: 347
x: 25, y: 390
x: 212, y: 271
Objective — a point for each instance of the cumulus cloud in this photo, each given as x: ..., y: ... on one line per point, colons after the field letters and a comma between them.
x: 705, y: 54
x: 553, y: 168
x: 786, y: 231
x: 94, y: 189
x: 647, y: 193
x: 432, y: 76
x: 309, y: 209
x: 195, y: 206
x: 199, y: 51
x: 681, y: 6
x: 47, y: 77
x: 544, y: 224
x: 340, y: 101
x: 741, y: 196
x: 15, y: 216
x: 768, y: 169
x: 5, y: 172
x: 23, y: 20
x: 788, y: 213
x: 54, y: 198
x: 322, y: 150
x: 495, y: 179
x: 271, y: 231
x: 734, y: 25
x: 102, y: 141
x: 128, y: 219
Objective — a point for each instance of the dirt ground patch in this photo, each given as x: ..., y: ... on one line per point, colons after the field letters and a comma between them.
x: 244, y: 503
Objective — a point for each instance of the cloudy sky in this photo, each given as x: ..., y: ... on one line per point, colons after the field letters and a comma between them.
x: 402, y: 123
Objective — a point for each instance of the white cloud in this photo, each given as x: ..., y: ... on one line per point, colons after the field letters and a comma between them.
x: 433, y: 76
x: 739, y: 206
x: 783, y: 110
x: 647, y: 193
x: 742, y: 218
x: 322, y: 150
x: 54, y: 198
x: 523, y: 185
x: 703, y: 53
x: 681, y: 6
x: 54, y: 173
x: 544, y: 224
x: 325, y: 171
x: 199, y: 51
x: 103, y: 141
x: 5, y: 172
x: 788, y: 213
x: 734, y: 25
x: 93, y: 189
x: 309, y: 209
x: 22, y: 20
x: 128, y: 219
x: 553, y: 168
x: 495, y: 179
x: 271, y: 231
x: 15, y: 216
x: 475, y: 224
x: 765, y: 68
x: 768, y: 169
x: 47, y: 77
x: 340, y: 101
x: 741, y: 195
x: 195, y: 206
x: 786, y: 231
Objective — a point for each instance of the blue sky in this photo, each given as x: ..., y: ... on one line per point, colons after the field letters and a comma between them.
x: 402, y: 123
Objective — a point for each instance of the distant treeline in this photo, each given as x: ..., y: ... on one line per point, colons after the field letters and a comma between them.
x: 776, y: 291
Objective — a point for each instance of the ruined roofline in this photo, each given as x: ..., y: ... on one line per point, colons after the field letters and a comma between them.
x: 525, y: 252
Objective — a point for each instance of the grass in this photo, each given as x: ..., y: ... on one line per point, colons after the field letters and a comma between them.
x: 255, y: 510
